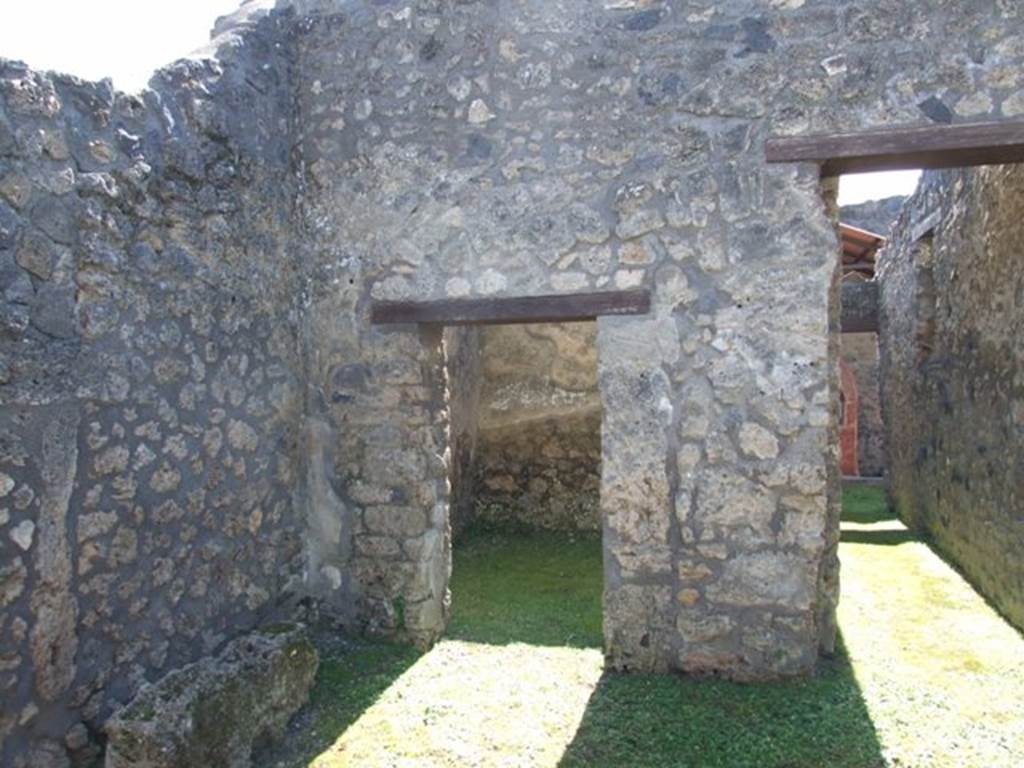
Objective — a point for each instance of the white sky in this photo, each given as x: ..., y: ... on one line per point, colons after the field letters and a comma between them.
x: 857, y: 187
x: 125, y: 40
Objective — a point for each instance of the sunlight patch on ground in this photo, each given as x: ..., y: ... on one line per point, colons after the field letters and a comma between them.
x: 939, y: 675
x: 474, y: 704
x: 940, y: 671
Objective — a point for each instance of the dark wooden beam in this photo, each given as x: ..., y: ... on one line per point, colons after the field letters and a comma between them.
x: 904, y: 148
x: 517, y: 309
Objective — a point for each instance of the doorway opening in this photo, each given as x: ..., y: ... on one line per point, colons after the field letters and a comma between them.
x: 525, y: 470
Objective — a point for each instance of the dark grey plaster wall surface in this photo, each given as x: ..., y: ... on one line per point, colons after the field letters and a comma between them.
x: 953, y: 373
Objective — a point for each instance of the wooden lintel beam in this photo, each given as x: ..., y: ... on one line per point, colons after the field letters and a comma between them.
x: 513, y: 310
x: 904, y: 148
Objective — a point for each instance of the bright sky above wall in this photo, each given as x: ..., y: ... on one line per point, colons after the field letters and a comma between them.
x: 858, y: 187
x: 126, y: 40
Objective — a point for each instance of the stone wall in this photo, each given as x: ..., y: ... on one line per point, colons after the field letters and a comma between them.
x: 463, y: 371
x: 860, y: 352
x: 198, y: 418
x: 149, y: 380
x: 876, y: 216
x: 526, y: 147
x: 953, y: 373
x: 539, y: 462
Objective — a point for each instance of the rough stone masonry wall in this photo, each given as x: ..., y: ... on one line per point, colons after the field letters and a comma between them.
x: 539, y: 458
x: 526, y: 147
x: 149, y: 380
x: 953, y: 373
x: 860, y: 352
x: 538, y: 146
x: 187, y: 370
x: 463, y: 382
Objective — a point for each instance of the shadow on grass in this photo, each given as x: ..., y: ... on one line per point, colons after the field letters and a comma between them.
x: 671, y: 720
x: 352, y: 676
x: 544, y: 589
x: 884, y: 537
x: 866, y: 504
x: 869, y: 506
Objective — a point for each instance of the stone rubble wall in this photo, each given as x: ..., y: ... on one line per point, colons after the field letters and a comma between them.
x: 876, y: 216
x: 953, y: 373
x: 150, y: 395
x: 860, y: 352
x: 539, y: 456
x: 197, y: 421
x: 214, y: 712
x: 463, y: 371
x: 527, y: 147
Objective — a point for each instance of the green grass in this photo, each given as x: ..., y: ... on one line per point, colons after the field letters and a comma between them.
x: 518, y: 679
x: 664, y: 720
x: 866, y: 504
x: 352, y: 675
x: 545, y: 589
x: 539, y: 588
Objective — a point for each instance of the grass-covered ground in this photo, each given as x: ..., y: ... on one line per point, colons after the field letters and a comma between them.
x: 929, y: 676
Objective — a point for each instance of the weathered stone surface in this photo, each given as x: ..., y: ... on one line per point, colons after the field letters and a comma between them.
x: 12, y: 580
x: 766, y: 579
x: 758, y: 442
x: 538, y: 452
x: 23, y: 534
x: 155, y: 305
x: 213, y: 711
x: 217, y: 241
x: 952, y: 346
x: 53, y: 638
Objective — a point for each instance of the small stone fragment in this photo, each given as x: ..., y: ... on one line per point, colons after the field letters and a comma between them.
x: 757, y: 441
x: 23, y: 533
x: 479, y: 112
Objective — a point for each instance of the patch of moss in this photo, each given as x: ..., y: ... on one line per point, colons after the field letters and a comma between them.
x: 398, y: 605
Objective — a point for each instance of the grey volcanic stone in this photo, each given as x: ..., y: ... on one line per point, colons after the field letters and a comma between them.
x: 190, y: 271
x: 211, y: 713
x: 952, y: 368
x: 876, y: 216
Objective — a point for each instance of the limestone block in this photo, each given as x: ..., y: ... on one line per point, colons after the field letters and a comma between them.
x: 211, y: 712
x: 766, y: 578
